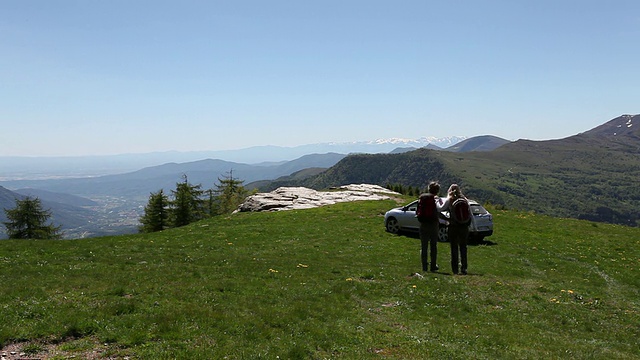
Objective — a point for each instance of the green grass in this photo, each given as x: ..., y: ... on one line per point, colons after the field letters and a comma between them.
x: 326, y: 283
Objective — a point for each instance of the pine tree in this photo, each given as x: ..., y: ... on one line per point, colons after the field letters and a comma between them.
x: 229, y: 194
x: 28, y: 221
x: 212, y: 202
x: 187, y: 205
x: 156, y: 213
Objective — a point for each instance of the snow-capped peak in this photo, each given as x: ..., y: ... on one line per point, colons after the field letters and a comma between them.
x: 420, y: 142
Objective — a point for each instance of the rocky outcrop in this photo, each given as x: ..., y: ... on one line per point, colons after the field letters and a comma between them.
x: 290, y: 198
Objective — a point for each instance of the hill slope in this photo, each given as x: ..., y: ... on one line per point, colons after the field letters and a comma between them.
x: 592, y: 175
x: 138, y: 184
x: 479, y: 143
x: 56, y: 197
x: 324, y: 283
x: 74, y: 214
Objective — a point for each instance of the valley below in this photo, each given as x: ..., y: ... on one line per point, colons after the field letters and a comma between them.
x: 113, y: 215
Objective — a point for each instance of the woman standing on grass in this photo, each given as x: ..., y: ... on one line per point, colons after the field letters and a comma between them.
x: 460, y: 216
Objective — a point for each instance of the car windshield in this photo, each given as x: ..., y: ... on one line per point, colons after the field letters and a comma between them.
x: 478, y: 209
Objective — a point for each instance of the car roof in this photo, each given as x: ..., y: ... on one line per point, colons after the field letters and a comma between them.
x: 471, y: 202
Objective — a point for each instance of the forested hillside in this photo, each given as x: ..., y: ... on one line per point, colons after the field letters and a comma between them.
x: 588, y: 176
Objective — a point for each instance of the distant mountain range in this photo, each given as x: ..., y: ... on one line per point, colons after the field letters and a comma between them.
x: 139, y: 184
x: 30, y: 168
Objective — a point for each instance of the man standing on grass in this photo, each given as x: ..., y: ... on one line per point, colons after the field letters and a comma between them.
x: 427, y: 213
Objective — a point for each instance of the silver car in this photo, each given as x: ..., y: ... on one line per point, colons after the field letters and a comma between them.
x: 404, y: 219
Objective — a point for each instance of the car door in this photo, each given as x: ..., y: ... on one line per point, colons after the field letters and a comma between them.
x: 408, y: 219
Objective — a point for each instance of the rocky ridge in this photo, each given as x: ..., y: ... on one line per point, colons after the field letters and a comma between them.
x: 290, y: 198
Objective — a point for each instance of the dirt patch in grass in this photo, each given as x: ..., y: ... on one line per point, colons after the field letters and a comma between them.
x: 88, y: 349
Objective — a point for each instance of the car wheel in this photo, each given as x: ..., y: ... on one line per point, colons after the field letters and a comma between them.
x: 443, y: 234
x: 392, y: 225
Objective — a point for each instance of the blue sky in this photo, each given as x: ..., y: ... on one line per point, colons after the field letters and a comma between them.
x: 93, y: 77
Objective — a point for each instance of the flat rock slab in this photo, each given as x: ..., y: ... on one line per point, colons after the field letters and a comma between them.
x: 290, y: 198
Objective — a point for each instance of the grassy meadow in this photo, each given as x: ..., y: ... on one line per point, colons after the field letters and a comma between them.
x: 325, y: 283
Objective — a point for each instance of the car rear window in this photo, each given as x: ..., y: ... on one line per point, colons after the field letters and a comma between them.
x: 478, y: 210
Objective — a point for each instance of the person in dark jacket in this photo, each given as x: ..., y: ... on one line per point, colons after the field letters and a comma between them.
x: 429, y: 227
x: 458, y: 232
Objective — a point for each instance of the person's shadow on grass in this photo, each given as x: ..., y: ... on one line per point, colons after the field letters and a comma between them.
x: 484, y: 242
x: 470, y: 242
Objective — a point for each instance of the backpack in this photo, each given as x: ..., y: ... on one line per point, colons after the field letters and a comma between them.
x: 460, y: 211
x: 427, y: 208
